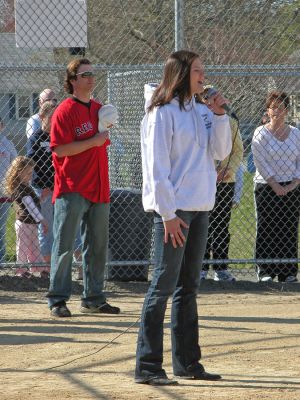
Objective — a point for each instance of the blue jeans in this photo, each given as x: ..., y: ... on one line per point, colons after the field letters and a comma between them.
x: 46, y: 239
x: 70, y: 211
x: 177, y: 274
x: 4, y: 211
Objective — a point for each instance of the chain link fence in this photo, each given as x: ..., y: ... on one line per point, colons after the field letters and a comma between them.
x: 248, y: 47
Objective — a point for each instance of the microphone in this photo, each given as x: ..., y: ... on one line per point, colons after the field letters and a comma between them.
x: 211, y: 91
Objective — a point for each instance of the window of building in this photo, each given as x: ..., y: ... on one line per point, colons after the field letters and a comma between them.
x: 22, y: 106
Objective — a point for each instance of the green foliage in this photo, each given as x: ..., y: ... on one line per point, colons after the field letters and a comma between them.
x: 242, y: 224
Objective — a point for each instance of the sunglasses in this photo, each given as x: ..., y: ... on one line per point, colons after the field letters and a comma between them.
x: 86, y: 74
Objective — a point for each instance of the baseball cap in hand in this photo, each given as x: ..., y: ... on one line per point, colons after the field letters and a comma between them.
x: 108, y: 115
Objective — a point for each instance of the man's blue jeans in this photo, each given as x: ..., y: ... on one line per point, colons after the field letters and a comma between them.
x: 69, y: 210
x: 177, y: 273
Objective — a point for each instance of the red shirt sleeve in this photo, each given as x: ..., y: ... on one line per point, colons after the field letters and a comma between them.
x: 62, y: 131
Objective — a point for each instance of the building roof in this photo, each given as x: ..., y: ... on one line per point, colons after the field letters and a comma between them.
x: 24, y: 69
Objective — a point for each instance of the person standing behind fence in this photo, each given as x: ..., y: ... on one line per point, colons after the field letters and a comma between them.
x: 28, y: 214
x: 276, y: 152
x: 180, y: 139
x: 34, y: 122
x: 81, y: 193
x: 218, y: 239
x: 8, y: 153
x: 38, y: 148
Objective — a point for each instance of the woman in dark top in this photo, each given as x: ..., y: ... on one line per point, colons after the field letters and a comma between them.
x: 38, y: 148
x: 276, y: 152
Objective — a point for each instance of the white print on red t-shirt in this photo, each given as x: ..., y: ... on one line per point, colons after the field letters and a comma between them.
x: 85, y: 127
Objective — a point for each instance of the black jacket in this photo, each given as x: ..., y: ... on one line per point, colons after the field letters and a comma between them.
x: 38, y: 148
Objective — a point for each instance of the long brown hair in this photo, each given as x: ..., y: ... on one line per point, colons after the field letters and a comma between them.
x: 175, y: 80
x: 12, y: 178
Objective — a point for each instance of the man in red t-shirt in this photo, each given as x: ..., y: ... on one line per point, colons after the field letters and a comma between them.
x: 81, y: 194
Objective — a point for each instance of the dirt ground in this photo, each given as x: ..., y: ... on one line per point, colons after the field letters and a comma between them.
x: 249, y: 333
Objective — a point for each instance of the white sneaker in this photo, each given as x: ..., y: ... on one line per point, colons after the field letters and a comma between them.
x: 203, y: 275
x: 265, y: 278
x: 291, y: 279
x: 224, y: 275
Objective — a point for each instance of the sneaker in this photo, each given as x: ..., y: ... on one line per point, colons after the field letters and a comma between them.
x: 103, y: 308
x: 23, y: 273
x: 291, y: 279
x: 204, y: 376
x: 40, y: 269
x: 203, y: 275
x: 157, y: 381
x: 198, y: 372
x: 224, y: 275
x: 44, y: 274
x: 265, y: 278
x: 60, y: 310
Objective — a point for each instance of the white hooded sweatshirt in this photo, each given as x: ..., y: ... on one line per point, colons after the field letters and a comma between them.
x: 178, y: 152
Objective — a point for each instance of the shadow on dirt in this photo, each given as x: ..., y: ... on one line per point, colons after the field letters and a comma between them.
x: 37, y: 284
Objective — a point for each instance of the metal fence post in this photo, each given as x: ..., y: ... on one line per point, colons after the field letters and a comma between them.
x: 179, y: 30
